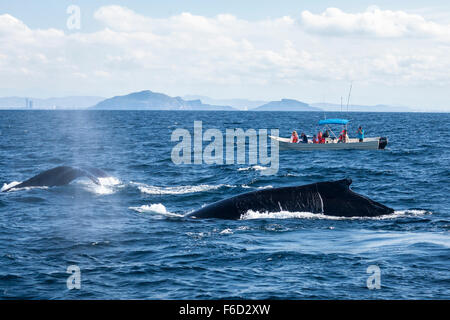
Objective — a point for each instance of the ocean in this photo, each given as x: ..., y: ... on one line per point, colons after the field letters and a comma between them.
x: 129, y: 238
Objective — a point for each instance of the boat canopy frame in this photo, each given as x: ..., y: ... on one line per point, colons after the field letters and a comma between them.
x: 327, y: 122
x: 334, y: 121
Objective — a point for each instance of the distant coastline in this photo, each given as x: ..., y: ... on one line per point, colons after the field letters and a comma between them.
x: 149, y: 100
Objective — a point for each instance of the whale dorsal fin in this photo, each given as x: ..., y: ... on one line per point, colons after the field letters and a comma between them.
x: 345, y: 182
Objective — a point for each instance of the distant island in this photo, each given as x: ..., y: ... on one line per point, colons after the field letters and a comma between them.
x: 149, y: 100
x: 286, y: 105
x: 240, y: 104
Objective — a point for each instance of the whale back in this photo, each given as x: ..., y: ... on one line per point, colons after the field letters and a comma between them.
x: 53, y: 177
x: 340, y: 200
x: 298, y: 198
x: 59, y: 176
x: 330, y: 198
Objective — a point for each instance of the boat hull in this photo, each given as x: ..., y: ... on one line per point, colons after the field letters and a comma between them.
x: 353, y: 144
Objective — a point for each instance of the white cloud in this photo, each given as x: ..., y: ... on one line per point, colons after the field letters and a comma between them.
x: 374, y: 22
x: 121, y: 18
x: 187, y: 53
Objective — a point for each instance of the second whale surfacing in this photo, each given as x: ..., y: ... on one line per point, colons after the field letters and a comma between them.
x: 332, y: 198
x: 59, y: 176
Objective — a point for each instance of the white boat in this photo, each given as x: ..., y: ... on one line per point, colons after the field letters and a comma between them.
x: 332, y: 142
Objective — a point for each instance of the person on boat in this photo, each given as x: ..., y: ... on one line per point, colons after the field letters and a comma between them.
x: 315, y: 139
x: 294, y: 137
x: 320, y: 137
x: 304, y: 138
x: 360, y: 134
x: 343, y: 137
x: 347, y: 139
x: 326, y: 134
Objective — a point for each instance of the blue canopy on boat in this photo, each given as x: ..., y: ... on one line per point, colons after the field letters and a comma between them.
x: 333, y: 121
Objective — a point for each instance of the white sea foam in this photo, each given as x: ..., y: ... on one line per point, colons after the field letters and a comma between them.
x: 107, y: 185
x: 226, y: 231
x: 178, y: 189
x: 9, y: 185
x: 412, y: 212
x: 265, y: 187
x: 245, y: 186
x: 157, y: 208
x: 255, y: 167
x: 198, y: 235
x: 250, y: 214
x: 109, y: 181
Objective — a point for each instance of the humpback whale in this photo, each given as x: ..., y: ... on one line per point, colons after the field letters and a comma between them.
x: 60, y: 176
x: 333, y: 198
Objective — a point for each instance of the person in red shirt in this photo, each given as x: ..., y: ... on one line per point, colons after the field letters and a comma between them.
x: 294, y: 137
x: 320, y: 137
x: 343, y: 137
x: 315, y: 139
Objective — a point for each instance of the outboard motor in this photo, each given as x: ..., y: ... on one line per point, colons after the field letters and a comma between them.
x: 382, y: 143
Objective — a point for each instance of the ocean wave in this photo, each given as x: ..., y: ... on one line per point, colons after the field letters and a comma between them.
x: 178, y: 189
x: 245, y: 186
x: 255, y: 167
x: 109, y: 181
x: 250, y: 215
x: 157, y: 208
x: 265, y: 187
x: 411, y: 212
x: 107, y: 185
x: 9, y: 185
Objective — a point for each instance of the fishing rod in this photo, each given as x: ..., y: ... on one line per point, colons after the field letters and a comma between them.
x: 349, y: 93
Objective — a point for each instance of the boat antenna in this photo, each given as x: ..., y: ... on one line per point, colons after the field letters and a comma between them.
x: 349, y: 93
x: 324, y: 114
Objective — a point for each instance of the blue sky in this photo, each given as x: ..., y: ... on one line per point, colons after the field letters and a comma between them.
x: 46, y: 13
x: 394, y: 52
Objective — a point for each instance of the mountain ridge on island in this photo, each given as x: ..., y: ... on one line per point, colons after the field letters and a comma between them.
x: 149, y: 100
x: 286, y: 105
x: 237, y: 103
